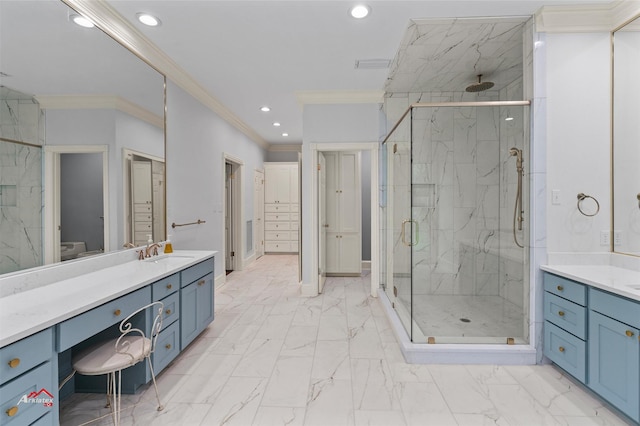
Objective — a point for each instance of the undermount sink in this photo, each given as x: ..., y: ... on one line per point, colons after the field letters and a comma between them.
x: 168, y: 258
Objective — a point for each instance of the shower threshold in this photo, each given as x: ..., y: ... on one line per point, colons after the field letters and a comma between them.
x: 446, y: 352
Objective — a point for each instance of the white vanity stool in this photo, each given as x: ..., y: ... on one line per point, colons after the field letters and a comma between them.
x: 115, y: 355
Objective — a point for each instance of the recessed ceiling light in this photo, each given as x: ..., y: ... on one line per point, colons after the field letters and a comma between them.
x: 285, y: 134
x: 359, y: 11
x: 81, y: 20
x: 276, y: 124
x: 148, y: 20
x: 265, y: 109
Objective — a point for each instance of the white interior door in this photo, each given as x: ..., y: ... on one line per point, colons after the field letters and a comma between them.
x: 322, y: 222
x: 258, y: 212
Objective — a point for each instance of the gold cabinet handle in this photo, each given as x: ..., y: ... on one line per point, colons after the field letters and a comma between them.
x: 12, y: 411
x: 169, y: 286
x: 561, y: 313
x: 117, y: 312
x: 629, y: 333
x: 561, y: 348
x: 201, y: 282
x: 168, y: 311
x: 14, y: 362
x: 560, y: 288
x: 168, y: 346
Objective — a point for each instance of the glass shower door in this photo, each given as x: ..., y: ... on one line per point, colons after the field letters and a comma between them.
x: 399, y: 174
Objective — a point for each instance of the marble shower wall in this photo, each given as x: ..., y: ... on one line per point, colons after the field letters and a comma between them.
x: 20, y: 183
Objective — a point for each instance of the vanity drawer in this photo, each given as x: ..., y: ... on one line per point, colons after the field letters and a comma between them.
x: 166, y: 286
x: 566, y: 350
x: 565, y: 288
x: 25, y: 354
x: 275, y: 217
x: 566, y: 315
x: 83, y: 326
x: 171, y: 309
x: 276, y: 208
x: 617, y: 307
x: 194, y: 272
x: 276, y: 236
x: 40, y: 378
x: 167, y: 347
x: 276, y: 226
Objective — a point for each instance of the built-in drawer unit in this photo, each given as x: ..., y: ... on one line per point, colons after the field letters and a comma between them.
x: 37, y: 383
x: 83, y: 326
x: 271, y: 246
x: 277, y: 236
x: 25, y: 354
x: 566, y: 315
x: 565, y: 288
x: 277, y: 217
x: 295, y: 208
x: 167, y: 346
x: 277, y: 226
x: 166, y: 286
x: 142, y: 208
x: 194, y: 272
x: 276, y: 208
x: 566, y: 350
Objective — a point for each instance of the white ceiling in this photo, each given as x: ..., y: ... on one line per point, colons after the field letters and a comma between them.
x: 252, y: 53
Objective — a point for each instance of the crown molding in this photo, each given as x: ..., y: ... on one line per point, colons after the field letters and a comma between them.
x: 115, y: 25
x: 285, y: 147
x: 100, y: 102
x: 340, y: 97
x: 585, y: 18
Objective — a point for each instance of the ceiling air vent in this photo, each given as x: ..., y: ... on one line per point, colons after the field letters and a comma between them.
x: 372, y: 64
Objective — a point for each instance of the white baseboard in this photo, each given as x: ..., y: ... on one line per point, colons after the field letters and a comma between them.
x: 366, y: 264
x: 308, y: 290
x: 248, y: 260
x: 220, y: 280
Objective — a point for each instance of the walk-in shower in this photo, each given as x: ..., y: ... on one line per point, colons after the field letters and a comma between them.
x: 456, y: 266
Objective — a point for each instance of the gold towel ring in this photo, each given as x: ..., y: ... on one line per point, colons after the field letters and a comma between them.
x: 581, y: 198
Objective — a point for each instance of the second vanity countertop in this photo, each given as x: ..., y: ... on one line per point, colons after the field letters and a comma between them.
x: 28, y: 312
x: 620, y: 281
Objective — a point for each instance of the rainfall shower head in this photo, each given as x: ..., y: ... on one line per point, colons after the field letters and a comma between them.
x: 480, y: 86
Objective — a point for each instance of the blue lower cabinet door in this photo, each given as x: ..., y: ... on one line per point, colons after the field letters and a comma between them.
x: 614, y: 363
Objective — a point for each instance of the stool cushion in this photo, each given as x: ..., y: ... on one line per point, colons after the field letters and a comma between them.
x: 103, y: 358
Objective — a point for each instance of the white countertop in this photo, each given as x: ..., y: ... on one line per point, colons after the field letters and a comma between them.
x: 25, y: 313
x: 621, y: 281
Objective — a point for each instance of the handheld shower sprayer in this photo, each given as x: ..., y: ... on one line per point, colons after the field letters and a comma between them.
x: 518, y: 212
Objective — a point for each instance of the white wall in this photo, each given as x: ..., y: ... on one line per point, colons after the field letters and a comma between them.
x: 196, y: 141
x: 330, y: 124
x: 578, y: 141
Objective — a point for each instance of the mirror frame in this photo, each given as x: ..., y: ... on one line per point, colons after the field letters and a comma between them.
x: 612, y: 136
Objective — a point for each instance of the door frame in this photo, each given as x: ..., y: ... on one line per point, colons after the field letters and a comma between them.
x: 258, y: 213
x: 373, y: 147
x: 238, y: 209
x: 52, y: 195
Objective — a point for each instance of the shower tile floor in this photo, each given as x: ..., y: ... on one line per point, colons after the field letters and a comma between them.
x: 272, y: 357
x: 467, y: 316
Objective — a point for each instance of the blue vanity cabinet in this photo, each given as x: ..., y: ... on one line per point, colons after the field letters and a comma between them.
x: 565, y: 326
x: 29, y: 369
x: 614, y: 351
x: 196, y: 300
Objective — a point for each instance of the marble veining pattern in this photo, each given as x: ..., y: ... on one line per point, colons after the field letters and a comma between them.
x: 355, y: 374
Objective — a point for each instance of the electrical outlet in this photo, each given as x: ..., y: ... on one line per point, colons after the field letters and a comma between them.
x: 604, y: 238
x: 617, y: 238
x: 555, y: 197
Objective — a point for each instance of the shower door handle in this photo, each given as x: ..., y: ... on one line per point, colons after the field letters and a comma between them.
x: 404, y: 234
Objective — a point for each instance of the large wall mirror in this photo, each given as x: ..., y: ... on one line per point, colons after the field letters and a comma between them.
x: 81, y: 140
x: 626, y: 138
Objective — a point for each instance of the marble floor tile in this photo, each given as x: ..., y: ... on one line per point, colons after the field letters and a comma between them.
x: 272, y: 357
